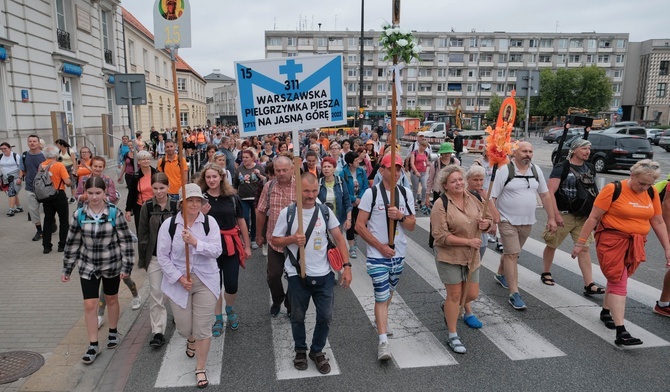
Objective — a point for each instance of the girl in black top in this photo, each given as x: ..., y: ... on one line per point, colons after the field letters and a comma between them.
x: 225, y: 206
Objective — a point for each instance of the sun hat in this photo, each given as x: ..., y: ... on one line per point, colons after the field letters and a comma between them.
x: 192, y: 190
x: 446, y: 148
x: 386, y: 161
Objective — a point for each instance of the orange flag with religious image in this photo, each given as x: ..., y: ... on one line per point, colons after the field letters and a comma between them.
x: 498, y: 142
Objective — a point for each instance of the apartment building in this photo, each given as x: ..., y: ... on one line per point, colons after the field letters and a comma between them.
x: 58, y: 57
x: 648, y: 99
x: 455, y: 67
x: 216, y: 80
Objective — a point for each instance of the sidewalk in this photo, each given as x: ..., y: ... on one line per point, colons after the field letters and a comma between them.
x: 39, y: 313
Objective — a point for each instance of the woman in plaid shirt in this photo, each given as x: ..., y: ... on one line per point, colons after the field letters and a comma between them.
x: 103, y: 247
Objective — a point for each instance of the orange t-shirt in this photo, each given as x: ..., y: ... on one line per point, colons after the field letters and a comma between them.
x: 325, y: 143
x: 173, y: 173
x: 58, y: 173
x: 631, y: 212
x: 145, y: 191
x: 83, y: 168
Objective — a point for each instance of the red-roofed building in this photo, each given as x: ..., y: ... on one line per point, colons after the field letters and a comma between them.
x: 156, y: 64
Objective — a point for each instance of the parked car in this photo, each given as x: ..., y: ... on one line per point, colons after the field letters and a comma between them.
x: 664, y: 140
x: 654, y: 135
x: 554, y: 134
x: 622, y: 124
x: 612, y: 151
x: 636, y: 130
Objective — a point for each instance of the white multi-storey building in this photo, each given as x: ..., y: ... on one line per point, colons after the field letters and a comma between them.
x: 455, y: 67
x: 648, y: 99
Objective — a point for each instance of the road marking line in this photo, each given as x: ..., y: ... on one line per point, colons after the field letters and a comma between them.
x: 284, y: 346
x: 177, y: 370
x: 513, y: 337
x: 412, y: 344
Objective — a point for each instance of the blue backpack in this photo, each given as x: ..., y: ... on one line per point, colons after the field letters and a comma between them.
x: 111, y: 217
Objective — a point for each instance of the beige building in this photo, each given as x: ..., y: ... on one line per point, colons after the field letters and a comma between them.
x: 160, y: 111
x: 650, y: 74
x: 215, y: 80
x: 455, y: 66
x: 57, y: 57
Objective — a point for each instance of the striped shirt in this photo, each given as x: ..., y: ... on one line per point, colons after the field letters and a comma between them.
x: 278, y: 200
x: 98, y: 247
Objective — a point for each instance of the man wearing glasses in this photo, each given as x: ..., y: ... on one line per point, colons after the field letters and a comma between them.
x: 515, y: 199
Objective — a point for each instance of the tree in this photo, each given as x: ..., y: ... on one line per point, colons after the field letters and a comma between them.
x: 416, y: 112
x: 584, y: 87
x: 494, y: 108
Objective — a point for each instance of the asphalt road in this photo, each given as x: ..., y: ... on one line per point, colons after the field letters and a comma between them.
x: 557, y: 344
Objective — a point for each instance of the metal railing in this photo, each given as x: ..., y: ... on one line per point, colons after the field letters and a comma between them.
x: 86, y: 142
x: 109, y: 57
x: 63, y: 39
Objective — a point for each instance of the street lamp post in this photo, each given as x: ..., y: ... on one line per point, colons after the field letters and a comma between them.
x: 360, y: 87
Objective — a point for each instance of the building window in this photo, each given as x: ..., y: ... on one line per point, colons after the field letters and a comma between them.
x: 592, y: 43
x: 425, y: 72
x: 131, y: 52
x: 502, y: 58
x: 443, y: 43
x: 411, y: 86
x: 562, y: 43
x: 411, y: 102
x: 381, y: 102
x: 512, y: 73
x: 500, y: 88
x: 660, y: 90
x: 616, y: 88
x: 621, y: 43
x: 503, y: 43
x: 352, y: 86
x: 473, y: 42
x: 472, y: 57
x: 439, y: 103
x: 470, y: 102
x: 664, y: 68
x: 145, y: 60
x: 470, y: 87
x: 62, y: 33
x: 487, y: 58
x: 181, y: 84
x: 110, y: 100
x: 441, y: 72
x: 440, y: 87
x: 304, y: 41
x: 516, y: 58
x: 485, y: 73
x: 367, y: 72
x: 291, y: 41
x: 454, y: 87
x: 516, y: 43
x: 561, y: 59
x: 485, y: 87
x: 183, y: 119
x: 604, y: 43
x: 589, y: 59
x: 425, y: 87
x: 367, y: 86
x: 615, y: 103
x: 351, y: 72
x: 353, y: 41
x: 618, y: 73
x: 274, y: 41
x: 575, y: 58
x: 106, y: 41
x: 501, y: 73
x: 455, y: 72
x: 471, y: 73
x: 546, y: 43
x: 603, y: 58
x: 487, y: 42
x: 425, y: 41
x: 411, y: 72
x: 532, y: 58
x: 425, y: 102
x: 533, y: 43
x: 352, y: 58
x: 336, y: 41
x: 292, y: 54
x: 620, y: 58
x: 483, y: 101
x: 455, y: 57
x: 322, y: 42
x: 352, y: 102
x: 575, y: 43
x: 545, y: 58
x: 456, y: 42
x: 381, y: 87
x: 441, y: 57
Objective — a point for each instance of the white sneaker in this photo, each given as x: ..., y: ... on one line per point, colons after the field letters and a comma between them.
x: 383, y: 352
x: 100, y: 321
x: 265, y: 249
x: 254, y: 245
x: 136, y: 303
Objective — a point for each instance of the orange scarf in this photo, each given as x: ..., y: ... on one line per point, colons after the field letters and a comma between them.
x: 233, y: 241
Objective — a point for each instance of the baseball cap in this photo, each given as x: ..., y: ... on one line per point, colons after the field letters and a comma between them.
x: 192, y: 190
x: 386, y: 161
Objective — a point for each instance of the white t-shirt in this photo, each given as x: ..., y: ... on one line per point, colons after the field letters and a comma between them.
x: 378, y: 222
x: 316, y: 248
x: 516, y: 201
x: 9, y: 165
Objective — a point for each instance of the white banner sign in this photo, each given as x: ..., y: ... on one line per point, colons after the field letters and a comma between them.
x: 280, y: 95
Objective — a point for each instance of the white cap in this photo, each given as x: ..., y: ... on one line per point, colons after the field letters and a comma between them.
x: 192, y: 190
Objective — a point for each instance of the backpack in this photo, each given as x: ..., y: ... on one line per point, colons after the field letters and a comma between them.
x: 290, y: 217
x: 617, y: 191
x: 173, y: 226
x: 587, y: 191
x: 44, y: 188
x: 445, y: 203
x: 172, y: 212
x: 338, y: 181
x: 512, y: 175
x: 272, y: 184
x: 374, y: 199
x: 111, y: 217
x: 661, y: 187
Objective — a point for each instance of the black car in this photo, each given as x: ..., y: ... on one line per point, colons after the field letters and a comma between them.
x: 555, y: 134
x: 613, y: 151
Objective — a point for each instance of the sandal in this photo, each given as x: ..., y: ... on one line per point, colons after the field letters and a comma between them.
x: 217, y: 328
x: 91, y: 354
x: 607, y: 320
x: 190, y: 352
x: 201, y: 383
x: 455, y: 345
x: 300, y: 360
x: 588, y: 290
x: 625, y: 339
x: 233, y: 320
x: 321, y: 362
x: 547, y: 279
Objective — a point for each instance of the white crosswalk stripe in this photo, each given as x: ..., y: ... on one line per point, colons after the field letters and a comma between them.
x: 178, y: 370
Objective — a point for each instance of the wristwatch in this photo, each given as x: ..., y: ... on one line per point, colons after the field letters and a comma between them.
x: 346, y: 265
x: 403, y: 218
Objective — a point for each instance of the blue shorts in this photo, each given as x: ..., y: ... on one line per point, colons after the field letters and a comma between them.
x: 385, y: 274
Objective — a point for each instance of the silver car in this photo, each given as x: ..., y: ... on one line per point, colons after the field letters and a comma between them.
x: 664, y: 141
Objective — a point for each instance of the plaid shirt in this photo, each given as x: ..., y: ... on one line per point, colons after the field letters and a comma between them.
x: 99, y: 248
x: 279, y: 199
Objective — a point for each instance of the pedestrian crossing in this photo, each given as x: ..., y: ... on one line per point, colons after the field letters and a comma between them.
x: 414, y: 345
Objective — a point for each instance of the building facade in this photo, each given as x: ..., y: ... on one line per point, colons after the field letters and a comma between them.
x: 156, y: 65
x: 465, y: 68
x: 652, y: 101
x: 215, y: 80
x: 224, y: 104
x: 56, y: 62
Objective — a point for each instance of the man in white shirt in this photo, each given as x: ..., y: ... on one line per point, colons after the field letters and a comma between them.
x: 515, y: 199
x: 319, y: 280
x: 385, y: 263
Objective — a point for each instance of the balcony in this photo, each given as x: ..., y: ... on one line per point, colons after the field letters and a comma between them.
x: 109, y: 57
x: 63, y: 39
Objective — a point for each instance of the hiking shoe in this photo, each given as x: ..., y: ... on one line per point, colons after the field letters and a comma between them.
x: 274, y: 310
x: 18, y: 209
x: 113, y: 340
x: 254, y: 245
x: 38, y: 236
x: 136, y: 303
x: 100, y: 321
x: 662, y: 310
x: 383, y: 352
x: 353, y: 252
x: 61, y: 249
x: 501, y: 280
x: 10, y: 212
x: 157, y: 341
x: 499, y: 247
x: 91, y: 354
x: 516, y: 301
x: 71, y: 200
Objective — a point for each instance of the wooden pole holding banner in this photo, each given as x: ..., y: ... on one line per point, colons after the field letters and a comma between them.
x: 394, y: 103
x: 180, y: 148
x: 297, y: 163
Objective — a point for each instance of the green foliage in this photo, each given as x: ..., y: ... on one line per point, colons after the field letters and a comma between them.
x: 416, y: 113
x: 494, y: 109
x: 584, y: 87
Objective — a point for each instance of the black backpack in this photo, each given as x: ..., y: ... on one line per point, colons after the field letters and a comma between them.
x: 290, y: 217
x: 617, y: 191
x: 173, y: 226
x: 445, y: 203
x: 587, y: 191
